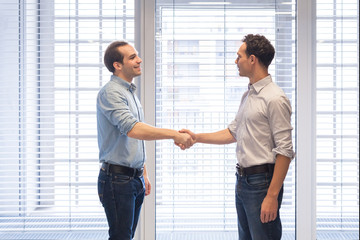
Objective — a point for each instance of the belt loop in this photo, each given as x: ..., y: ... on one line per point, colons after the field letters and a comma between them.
x: 134, y: 173
x: 107, y: 168
x: 271, y: 168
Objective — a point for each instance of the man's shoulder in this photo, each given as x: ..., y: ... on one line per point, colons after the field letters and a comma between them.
x: 274, y: 90
x: 273, y: 94
x: 112, y: 87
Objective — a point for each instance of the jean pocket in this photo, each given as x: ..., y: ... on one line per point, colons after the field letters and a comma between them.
x: 101, y: 188
x: 142, y: 180
x: 121, y: 179
x: 258, y: 180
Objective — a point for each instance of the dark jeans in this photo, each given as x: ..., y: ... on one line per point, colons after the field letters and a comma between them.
x: 121, y: 197
x: 250, y: 193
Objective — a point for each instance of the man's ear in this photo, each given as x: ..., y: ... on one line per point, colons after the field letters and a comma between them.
x: 117, y: 65
x: 252, y: 58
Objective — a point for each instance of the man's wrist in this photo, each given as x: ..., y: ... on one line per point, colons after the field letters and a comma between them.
x: 272, y: 194
x: 174, y: 134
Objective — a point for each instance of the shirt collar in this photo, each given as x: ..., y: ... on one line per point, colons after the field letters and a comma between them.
x: 259, y: 85
x: 129, y: 86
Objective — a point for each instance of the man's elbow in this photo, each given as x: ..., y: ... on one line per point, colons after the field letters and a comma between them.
x: 134, y: 131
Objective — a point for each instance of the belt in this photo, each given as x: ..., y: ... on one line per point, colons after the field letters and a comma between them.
x: 118, y: 169
x: 265, y: 168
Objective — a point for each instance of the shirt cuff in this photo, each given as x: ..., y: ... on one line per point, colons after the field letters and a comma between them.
x: 285, y: 152
x: 126, y: 127
x: 232, y: 129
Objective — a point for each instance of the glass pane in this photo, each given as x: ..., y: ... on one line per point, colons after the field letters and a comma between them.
x: 337, y: 119
x: 50, y: 145
x: 198, y: 88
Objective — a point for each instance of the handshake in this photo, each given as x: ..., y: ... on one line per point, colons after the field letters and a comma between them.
x: 184, y: 139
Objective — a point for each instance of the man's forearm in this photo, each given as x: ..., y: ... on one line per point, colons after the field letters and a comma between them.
x: 281, y: 168
x: 220, y: 137
x: 143, y: 131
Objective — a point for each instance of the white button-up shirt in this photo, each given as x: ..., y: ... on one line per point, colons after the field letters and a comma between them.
x: 262, y: 126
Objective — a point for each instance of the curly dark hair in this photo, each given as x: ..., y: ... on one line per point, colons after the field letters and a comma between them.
x: 260, y: 47
x: 113, y: 55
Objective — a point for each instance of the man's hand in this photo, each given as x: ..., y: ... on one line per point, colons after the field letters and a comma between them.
x: 189, y: 133
x: 269, y: 208
x: 183, y: 140
x: 147, y: 185
x: 193, y: 135
x: 147, y: 182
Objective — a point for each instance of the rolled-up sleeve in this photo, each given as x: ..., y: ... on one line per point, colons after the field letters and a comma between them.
x: 115, y: 108
x: 233, y: 128
x: 279, y: 112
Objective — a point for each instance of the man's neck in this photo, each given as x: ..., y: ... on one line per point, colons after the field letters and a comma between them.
x: 258, y: 72
x: 120, y: 75
x: 258, y: 77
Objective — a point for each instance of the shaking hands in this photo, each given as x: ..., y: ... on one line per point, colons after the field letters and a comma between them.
x: 185, y: 139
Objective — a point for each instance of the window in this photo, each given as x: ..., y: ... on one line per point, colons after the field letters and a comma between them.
x: 52, y: 70
x: 337, y: 116
x: 198, y: 87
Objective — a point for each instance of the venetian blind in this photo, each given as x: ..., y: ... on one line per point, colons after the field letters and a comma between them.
x: 337, y: 118
x: 51, y: 70
x: 198, y: 87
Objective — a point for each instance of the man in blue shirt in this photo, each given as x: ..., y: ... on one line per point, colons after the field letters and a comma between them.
x: 123, y: 181
x: 262, y: 130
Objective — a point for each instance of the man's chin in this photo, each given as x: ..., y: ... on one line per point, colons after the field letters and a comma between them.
x: 137, y: 71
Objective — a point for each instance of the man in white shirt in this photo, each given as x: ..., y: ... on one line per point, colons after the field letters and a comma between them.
x: 262, y: 130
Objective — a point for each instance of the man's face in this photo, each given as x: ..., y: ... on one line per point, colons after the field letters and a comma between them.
x: 243, y: 61
x: 131, y: 63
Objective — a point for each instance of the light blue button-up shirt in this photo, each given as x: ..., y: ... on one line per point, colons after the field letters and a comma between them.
x: 118, y: 110
x: 262, y: 126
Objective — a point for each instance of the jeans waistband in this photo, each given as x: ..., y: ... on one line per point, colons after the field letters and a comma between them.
x: 264, y: 168
x: 118, y: 169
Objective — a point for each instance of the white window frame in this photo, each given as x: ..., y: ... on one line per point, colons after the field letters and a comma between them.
x: 306, y: 126
x: 145, y: 40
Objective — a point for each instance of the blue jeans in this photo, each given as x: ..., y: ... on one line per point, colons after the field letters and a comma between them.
x: 121, y: 197
x: 250, y: 193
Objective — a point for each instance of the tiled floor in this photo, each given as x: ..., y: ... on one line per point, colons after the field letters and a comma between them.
x: 76, y: 235
x: 102, y: 235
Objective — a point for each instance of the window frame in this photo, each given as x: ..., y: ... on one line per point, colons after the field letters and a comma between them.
x: 306, y: 106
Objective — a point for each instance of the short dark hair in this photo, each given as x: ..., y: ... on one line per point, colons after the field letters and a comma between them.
x: 260, y: 47
x: 113, y: 55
